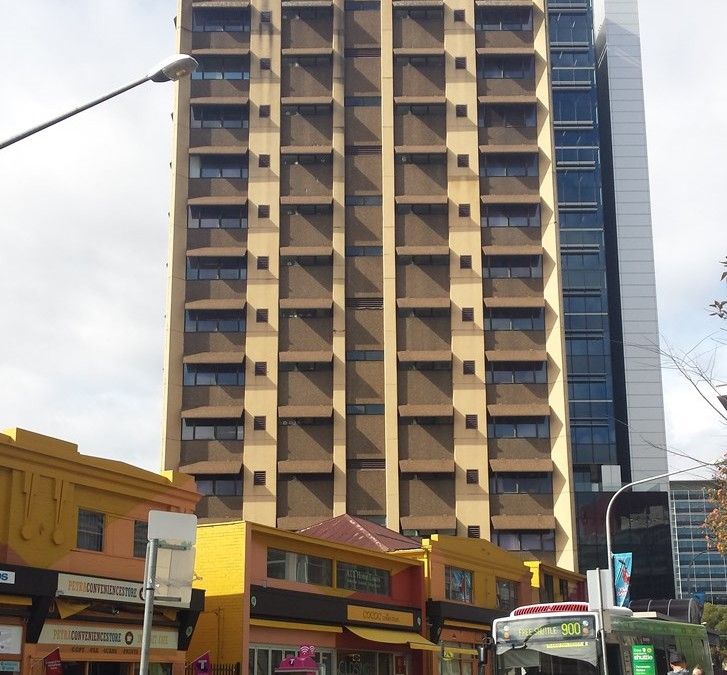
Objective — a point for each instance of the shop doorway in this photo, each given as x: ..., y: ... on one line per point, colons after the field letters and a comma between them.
x: 364, y: 663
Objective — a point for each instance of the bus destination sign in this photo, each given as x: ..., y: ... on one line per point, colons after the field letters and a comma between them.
x: 565, y: 630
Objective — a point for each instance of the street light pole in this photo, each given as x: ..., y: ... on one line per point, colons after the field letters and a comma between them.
x: 609, y: 548
x: 170, y: 69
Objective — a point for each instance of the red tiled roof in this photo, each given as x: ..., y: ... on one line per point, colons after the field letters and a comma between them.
x: 347, y: 529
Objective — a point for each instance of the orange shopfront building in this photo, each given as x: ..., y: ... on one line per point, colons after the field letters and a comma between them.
x: 270, y: 591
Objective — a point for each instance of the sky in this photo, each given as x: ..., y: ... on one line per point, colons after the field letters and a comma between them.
x: 86, y: 202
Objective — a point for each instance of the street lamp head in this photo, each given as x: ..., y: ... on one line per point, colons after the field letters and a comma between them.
x: 173, y: 68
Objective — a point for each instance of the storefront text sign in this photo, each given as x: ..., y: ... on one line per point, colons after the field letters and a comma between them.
x: 52, y: 663
x: 642, y: 657
x: 390, y: 617
x: 7, y: 577
x: 104, y: 636
x: 11, y: 639
x: 9, y: 666
x: 97, y: 588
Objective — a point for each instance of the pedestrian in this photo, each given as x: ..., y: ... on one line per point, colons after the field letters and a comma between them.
x: 678, y: 664
x: 697, y: 670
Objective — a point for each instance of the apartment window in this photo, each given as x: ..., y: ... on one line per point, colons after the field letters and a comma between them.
x: 421, y: 209
x: 258, y: 478
x: 511, y: 215
x: 503, y: 318
x: 420, y: 110
x: 261, y: 368
x: 470, y: 421
x: 306, y: 209
x: 518, y: 427
x: 570, y: 29
x: 263, y: 262
x: 458, y: 584
x: 578, y: 186
x: 426, y: 365
x: 436, y: 158
x: 307, y: 159
x: 261, y: 316
x: 368, y: 409
x: 362, y: 578
x: 310, y: 313
x: 464, y: 210
x: 305, y: 569
x: 441, y: 260
x: 218, y: 166
x: 465, y: 262
x: 468, y: 367
x: 221, y: 429
x: 364, y: 251
x: 218, y: 117
x: 362, y: 101
x: 423, y: 312
x: 511, y: 116
x: 520, y: 372
x: 90, y: 529
x: 219, y: 486
x: 214, y: 374
x: 217, y: 217
x: 308, y: 61
x: 505, y: 67
x: 521, y: 483
x: 214, y: 321
x: 263, y: 161
x: 506, y: 594
x: 141, y: 538
x: 419, y: 61
x: 365, y: 355
x: 216, y: 268
x: 222, y: 68
x: 305, y: 367
x: 509, y: 165
x: 306, y: 260
x: 504, y: 18
x: 363, y: 200
x: 460, y: 62
x: 362, y: 5
x: 306, y: 110
x: 307, y: 13
x: 419, y: 13
x: 232, y: 20
x: 513, y: 540
x: 263, y: 211
x: 468, y: 314
x: 513, y: 267
x: 460, y: 110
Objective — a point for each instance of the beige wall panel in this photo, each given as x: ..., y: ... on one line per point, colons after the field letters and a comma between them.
x: 425, y: 387
x: 426, y: 441
x: 216, y: 289
x: 219, y: 508
x: 364, y: 278
x: 410, y: 80
x: 209, y: 137
x: 299, y: 33
x: 504, y: 38
x: 306, y: 130
x: 305, y: 388
x: 512, y: 340
x: 422, y: 281
x: 365, y: 382
x: 424, y: 334
x: 365, y: 492
x: 363, y: 225
x: 519, y: 448
x: 305, y: 496
x: 197, y: 397
x: 363, y: 28
x: 299, y: 334
x: 365, y: 437
x: 363, y: 174
x: 513, y: 288
x: 363, y: 76
x: 306, y: 230
x: 201, y: 451
x: 510, y: 185
x: 522, y: 505
x: 302, y: 80
x: 195, y: 343
x: 517, y: 393
x: 412, y: 32
x: 200, y: 238
x: 305, y: 281
x: 421, y: 179
x: 217, y: 187
x: 363, y: 125
x: 364, y: 329
x: 305, y: 442
x: 497, y: 87
x: 306, y: 179
x: 427, y: 497
x: 226, y: 88
x: 411, y: 129
x: 496, y: 135
x: 421, y: 230
x: 510, y: 236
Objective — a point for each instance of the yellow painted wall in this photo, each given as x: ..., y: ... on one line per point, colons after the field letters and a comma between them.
x: 43, y: 483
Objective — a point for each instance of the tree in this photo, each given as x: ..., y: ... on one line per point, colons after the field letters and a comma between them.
x: 715, y: 618
x: 719, y: 307
x: 715, y: 524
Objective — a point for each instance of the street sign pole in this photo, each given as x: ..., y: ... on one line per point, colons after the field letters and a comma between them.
x: 150, y: 574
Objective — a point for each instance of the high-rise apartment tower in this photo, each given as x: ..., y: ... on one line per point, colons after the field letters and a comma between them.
x: 365, y: 310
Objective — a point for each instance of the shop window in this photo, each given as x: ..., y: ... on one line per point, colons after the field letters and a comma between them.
x: 305, y: 569
x: 141, y: 530
x: 506, y: 594
x: 362, y: 578
x: 458, y: 584
x: 89, y: 533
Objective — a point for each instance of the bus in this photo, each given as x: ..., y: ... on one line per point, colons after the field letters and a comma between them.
x: 564, y: 638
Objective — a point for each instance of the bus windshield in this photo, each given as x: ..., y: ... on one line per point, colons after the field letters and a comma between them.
x: 546, y: 645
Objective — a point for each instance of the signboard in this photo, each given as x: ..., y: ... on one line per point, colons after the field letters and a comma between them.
x: 7, y: 577
x: 98, y: 588
x: 104, y: 636
x: 11, y: 639
x: 53, y: 664
x: 642, y: 659
x: 9, y: 666
x: 377, y: 615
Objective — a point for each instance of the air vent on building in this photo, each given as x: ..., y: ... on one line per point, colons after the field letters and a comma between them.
x: 362, y: 52
x: 468, y: 367
x: 261, y: 368
x: 263, y: 262
x: 468, y: 314
x: 473, y: 531
x: 261, y: 316
x: 264, y: 110
x: 460, y: 110
x: 460, y: 62
x: 473, y: 476
x: 365, y: 303
x: 258, y: 423
x: 266, y: 16
x: 263, y: 161
x: 465, y: 262
x: 363, y: 149
x: 258, y: 478
x: 459, y: 15
x: 378, y: 464
x: 264, y: 64
x: 470, y: 421
x: 463, y: 161
x: 263, y: 211
x: 464, y: 210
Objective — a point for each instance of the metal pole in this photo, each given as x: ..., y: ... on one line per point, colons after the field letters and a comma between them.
x: 609, y: 548
x: 603, y: 623
x: 150, y: 573
x: 71, y: 113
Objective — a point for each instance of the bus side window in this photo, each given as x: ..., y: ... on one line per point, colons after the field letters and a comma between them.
x: 613, y: 659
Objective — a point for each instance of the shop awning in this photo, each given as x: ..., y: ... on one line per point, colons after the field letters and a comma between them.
x: 394, y: 637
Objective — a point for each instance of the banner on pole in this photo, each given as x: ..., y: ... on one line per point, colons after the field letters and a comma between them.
x: 52, y: 663
x: 202, y: 664
x: 622, y: 581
